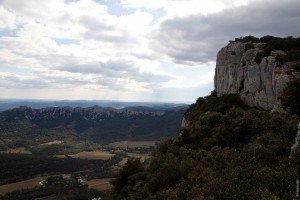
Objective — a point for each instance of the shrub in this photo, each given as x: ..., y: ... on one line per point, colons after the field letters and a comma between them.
x: 267, y: 39
x: 296, y: 66
x: 249, y: 46
x: 251, y: 39
x: 259, y: 56
x: 291, y: 96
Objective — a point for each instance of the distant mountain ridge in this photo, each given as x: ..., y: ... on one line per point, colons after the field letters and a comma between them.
x: 95, y: 113
x: 6, y: 104
x: 95, y: 123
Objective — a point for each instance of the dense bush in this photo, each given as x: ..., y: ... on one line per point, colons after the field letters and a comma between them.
x: 291, y: 96
x: 289, y: 44
x: 259, y: 56
x: 226, y: 152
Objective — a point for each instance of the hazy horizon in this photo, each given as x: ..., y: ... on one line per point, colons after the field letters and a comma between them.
x: 100, y: 100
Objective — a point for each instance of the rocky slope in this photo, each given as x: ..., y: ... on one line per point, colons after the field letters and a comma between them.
x: 95, y: 113
x: 258, y: 77
x: 95, y: 123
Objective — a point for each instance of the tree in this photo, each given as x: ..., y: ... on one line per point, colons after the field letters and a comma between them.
x: 291, y: 96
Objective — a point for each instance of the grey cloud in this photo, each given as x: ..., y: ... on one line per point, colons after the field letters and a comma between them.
x: 117, y: 69
x: 13, y: 81
x: 114, y: 69
x: 196, y: 39
x: 40, y: 80
x: 99, y: 31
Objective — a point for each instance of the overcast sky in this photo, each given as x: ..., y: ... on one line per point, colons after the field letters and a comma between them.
x: 131, y: 50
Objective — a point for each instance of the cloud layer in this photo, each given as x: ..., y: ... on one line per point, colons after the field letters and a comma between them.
x: 150, y: 50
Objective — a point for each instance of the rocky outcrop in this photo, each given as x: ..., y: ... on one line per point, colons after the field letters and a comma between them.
x: 95, y: 113
x: 296, y: 146
x: 258, y: 80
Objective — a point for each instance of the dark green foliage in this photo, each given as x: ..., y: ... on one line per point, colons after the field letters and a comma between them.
x: 249, y: 46
x: 292, y: 55
x: 132, y: 167
x: 16, y: 127
x: 280, y: 59
x: 16, y: 167
x: 213, y: 103
x: 249, y: 38
x: 290, y: 45
x: 230, y: 152
x: 296, y: 66
x: 267, y: 39
x: 290, y: 98
x: 259, y: 56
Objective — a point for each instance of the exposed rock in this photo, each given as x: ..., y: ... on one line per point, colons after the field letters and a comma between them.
x: 95, y: 113
x: 296, y: 146
x: 184, y: 123
x: 258, y: 82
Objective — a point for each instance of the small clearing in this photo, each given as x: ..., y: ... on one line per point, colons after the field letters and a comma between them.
x: 143, y: 157
x: 59, y: 156
x: 133, y: 144
x: 51, y: 143
x: 18, y: 150
x: 93, y: 155
x: 27, y: 184
x: 99, y: 184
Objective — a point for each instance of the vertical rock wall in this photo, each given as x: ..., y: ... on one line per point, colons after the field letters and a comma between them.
x: 259, y: 83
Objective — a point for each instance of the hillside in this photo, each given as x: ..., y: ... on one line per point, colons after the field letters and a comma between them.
x: 231, y: 146
x: 19, y: 126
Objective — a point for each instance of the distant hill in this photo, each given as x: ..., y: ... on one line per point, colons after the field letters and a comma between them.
x: 99, y: 124
x: 6, y: 104
x: 231, y: 146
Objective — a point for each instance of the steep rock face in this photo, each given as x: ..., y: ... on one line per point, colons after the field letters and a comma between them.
x: 259, y: 82
x: 296, y: 146
x: 95, y: 113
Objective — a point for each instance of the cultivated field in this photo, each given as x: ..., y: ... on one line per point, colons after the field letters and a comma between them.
x: 133, y: 144
x: 143, y: 157
x: 99, y: 184
x: 31, y: 183
x: 19, y: 150
x: 51, y: 143
x: 59, y: 156
x: 93, y: 155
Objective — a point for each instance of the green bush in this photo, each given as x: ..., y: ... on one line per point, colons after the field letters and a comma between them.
x: 259, y: 56
x: 291, y: 96
x: 237, y: 154
x: 249, y: 46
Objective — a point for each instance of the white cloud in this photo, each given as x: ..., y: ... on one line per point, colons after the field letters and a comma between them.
x: 7, y: 19
x: 183, y: 8
x: 196, y: 39
x: 77, y: 49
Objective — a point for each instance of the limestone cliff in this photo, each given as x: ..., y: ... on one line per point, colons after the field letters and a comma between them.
x: 259, y: 79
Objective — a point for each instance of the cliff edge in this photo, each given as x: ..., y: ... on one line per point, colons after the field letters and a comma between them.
x: 257, y: 69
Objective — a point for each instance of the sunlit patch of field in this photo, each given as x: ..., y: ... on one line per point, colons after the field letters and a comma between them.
x: 59, y: 156
x: 99, y: 184
x: 27, y: 184
x: 133, y: 144
x: 51, y: 143
x: 143, y: 157
x: 93, y: 155
x: 18, y: 150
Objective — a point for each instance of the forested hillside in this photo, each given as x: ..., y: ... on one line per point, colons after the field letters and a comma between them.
x: 19, y: 126
x: 225, y: 151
